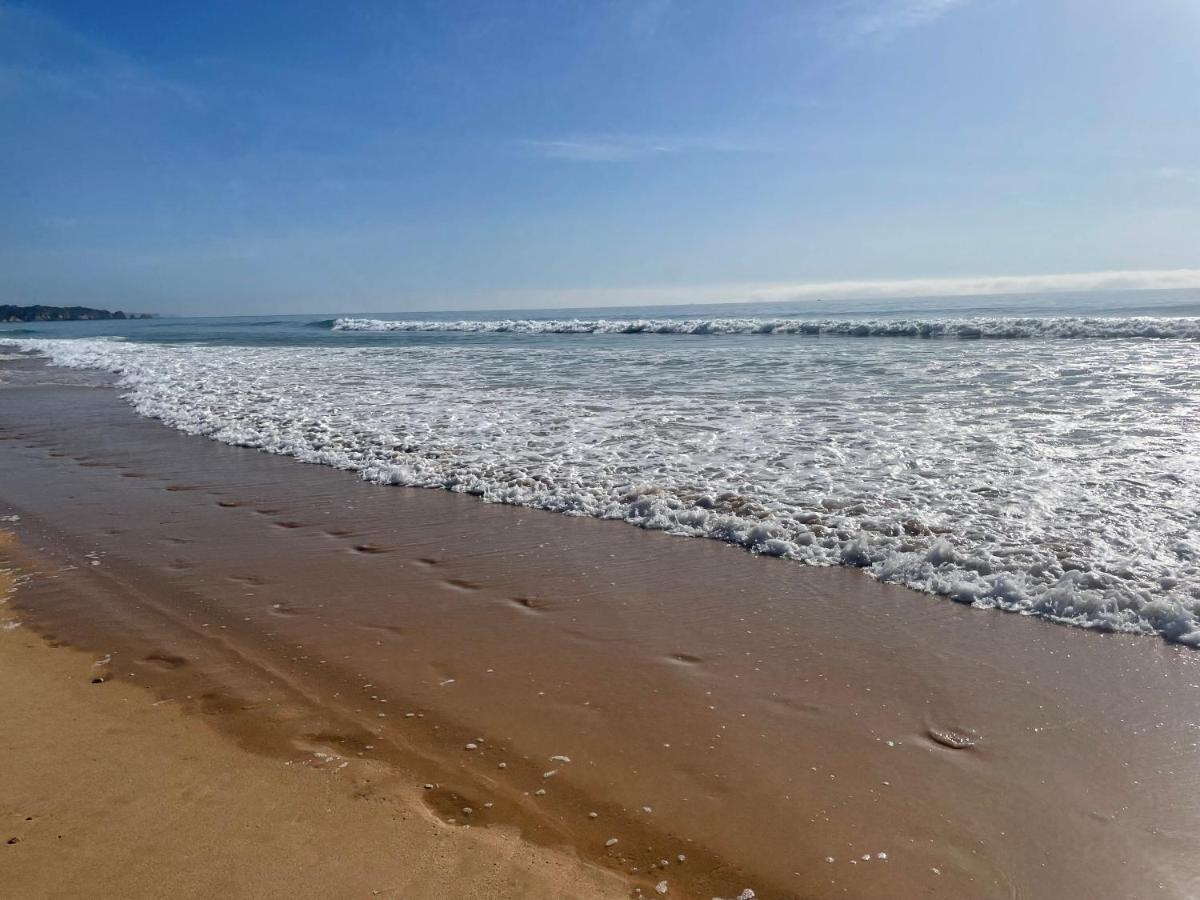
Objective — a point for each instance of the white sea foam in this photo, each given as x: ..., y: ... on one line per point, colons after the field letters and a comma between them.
x: 1057, y: 479
x: 962, y: 329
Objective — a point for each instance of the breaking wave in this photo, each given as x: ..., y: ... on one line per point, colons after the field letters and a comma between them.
x: 1058, y: 327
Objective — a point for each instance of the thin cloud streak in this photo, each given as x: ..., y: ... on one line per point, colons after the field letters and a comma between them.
x: 626, y: 148
x: 980, y: 285
x: 1176, y: 173
x: 1119, y: 280
x: 648, y: 17
x: 46, y: 59
x: 596, y: 149
x: 891, y: 16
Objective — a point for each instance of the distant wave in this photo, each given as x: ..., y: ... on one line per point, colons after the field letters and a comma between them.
x: 954, y: 329
x: 331, y: 323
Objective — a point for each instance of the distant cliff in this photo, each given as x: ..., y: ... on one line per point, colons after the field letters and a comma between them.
x: 60, y: 314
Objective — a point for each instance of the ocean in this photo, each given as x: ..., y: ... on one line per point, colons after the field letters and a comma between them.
x: 1034, y: 454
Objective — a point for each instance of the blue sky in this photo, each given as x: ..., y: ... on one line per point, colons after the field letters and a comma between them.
x: 225, y: 157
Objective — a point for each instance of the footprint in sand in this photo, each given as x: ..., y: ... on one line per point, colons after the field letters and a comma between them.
x: 164, y: 661
x: 451, y: 806
x: 461, y: 584
x: 528, y: 604
x: 248, y: 579
x: 953, y: 738
x: 372, y: 548
x: 387, y: 629
x: 218, y: 703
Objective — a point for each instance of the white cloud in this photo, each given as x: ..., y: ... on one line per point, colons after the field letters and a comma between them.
x: 886, y: 17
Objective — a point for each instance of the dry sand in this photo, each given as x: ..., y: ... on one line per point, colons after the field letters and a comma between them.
x: 754, y: 716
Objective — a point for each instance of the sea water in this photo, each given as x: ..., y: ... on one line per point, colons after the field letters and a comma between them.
x: 1036, y: 454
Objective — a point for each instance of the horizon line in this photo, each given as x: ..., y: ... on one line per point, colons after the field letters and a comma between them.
x: 1104, y: 281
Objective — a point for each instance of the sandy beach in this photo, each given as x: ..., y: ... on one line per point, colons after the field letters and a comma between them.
x: 630, y: 449
x: 310, y: 680
x: 110, y: 791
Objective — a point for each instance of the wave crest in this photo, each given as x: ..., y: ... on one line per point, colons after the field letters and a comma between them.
x: 1056, y: 327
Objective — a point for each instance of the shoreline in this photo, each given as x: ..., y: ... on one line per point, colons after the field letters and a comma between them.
x: 770, y: 716
x: 1076, y: 561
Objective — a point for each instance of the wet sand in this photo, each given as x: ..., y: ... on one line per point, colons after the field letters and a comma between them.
x: 753, y: 716
x: 108, y: 791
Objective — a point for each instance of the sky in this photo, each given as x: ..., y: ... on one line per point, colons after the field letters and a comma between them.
x: 230, y: 157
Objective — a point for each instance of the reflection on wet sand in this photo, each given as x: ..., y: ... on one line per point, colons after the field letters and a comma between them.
x: 676, y: 710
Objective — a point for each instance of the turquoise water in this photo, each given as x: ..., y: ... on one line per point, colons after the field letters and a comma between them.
x: 314, y: 329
